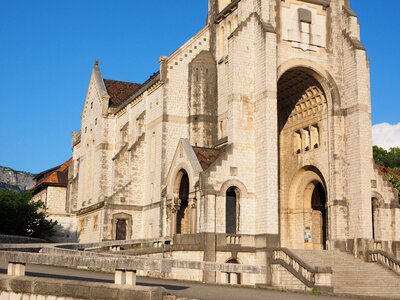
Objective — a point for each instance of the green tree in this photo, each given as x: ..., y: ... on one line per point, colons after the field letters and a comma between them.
x: 390, y: 159
x: 19, y: 215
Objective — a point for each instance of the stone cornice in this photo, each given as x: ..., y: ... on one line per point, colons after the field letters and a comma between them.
x: 90, y: 208
x: 324, y: 3
x: 227, y: 11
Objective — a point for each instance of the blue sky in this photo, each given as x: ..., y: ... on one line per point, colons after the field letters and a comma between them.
x: 48, y: 48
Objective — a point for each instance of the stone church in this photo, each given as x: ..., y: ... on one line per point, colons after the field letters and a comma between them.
x: 254, y: 134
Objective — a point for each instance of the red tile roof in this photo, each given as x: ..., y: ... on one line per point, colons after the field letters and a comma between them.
x: 207, y: 156
x: 120, y: 91
x: 54, y: 177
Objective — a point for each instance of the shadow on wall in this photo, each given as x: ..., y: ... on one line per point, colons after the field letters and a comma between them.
x: 64, y: 235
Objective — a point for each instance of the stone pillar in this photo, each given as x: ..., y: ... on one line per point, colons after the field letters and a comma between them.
x: 130, y: 277
x: 193, y: 214
x: 118, y: 277
x: 16, y: 269
x: 224, y: 278
x: 125, y: 277
x: 172, y: 211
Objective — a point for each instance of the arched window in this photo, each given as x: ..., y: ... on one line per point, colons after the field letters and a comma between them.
x: 231, y: 211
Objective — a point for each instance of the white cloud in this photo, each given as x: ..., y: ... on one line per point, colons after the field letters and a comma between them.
x: 386, y: 135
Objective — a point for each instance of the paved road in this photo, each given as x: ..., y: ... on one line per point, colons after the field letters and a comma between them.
x: 178, y: 288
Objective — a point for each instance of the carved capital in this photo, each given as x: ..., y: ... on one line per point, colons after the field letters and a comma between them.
x: 193, y: 203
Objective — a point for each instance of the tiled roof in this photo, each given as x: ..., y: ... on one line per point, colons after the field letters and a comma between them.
x: 207, y: 156
x: 54, y: 177
x: 120, y: 91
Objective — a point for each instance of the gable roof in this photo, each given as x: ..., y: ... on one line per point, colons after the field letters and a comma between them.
x: 120, y: 91
x: 207, y: 156
x: 57, y: 176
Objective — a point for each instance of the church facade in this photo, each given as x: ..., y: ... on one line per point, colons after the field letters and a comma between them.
x: 254, y: 134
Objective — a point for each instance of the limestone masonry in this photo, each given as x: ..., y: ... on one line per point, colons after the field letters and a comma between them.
x: 254, y: 134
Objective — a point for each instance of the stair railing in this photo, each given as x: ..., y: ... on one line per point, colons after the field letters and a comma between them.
x: 311, y: 277
x: 385, y: 259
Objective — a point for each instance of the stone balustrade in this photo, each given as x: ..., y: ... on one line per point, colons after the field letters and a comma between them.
x: 385, y: 259
x: 320, y: 278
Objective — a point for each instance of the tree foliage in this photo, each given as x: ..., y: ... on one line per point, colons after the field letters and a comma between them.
x: 390, y: 161
x: 19, y: 215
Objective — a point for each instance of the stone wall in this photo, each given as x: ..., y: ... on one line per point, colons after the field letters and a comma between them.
x: 13, y: 239
x: 53, y: 289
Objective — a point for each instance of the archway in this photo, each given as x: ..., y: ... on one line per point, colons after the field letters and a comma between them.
x: 183, y: 214
x: 319, y: 216
x: 304, y: 220
x: 303, y: 143
x: 231, y: 211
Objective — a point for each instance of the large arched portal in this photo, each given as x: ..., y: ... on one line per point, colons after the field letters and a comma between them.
x: 303, y: 151
x: 183, y: 214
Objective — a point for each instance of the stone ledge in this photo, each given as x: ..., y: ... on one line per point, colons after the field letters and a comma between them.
x: 77, y: 289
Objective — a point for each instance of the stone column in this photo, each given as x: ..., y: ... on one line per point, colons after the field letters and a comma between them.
x: 16, y: 269
x: 130, y: 277
x: 118, y: 277
x: 173, y: 210
x: 193, y: 214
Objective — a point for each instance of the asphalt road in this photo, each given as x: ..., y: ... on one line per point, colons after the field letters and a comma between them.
x: 179, y: 288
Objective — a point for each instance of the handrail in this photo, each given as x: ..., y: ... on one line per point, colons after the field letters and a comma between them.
x: 385, y: 259
x: 297, y: 267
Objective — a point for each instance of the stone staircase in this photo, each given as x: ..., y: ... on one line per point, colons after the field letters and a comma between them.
x: 354, y: 276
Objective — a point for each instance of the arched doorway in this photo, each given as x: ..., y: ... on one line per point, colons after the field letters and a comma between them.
x: 319, y: 216
x: 231, y: 211
x: 183, y: 214
x: 303, y: 144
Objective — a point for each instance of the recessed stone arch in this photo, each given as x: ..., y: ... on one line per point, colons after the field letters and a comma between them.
x: 305, y: 220
x: 173, y: 182
x: 306, y: 100
x: 242, y: 190
x: 181, y: 202
x: 320, y: 74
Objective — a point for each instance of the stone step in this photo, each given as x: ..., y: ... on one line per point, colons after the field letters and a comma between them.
x: 354, y: 276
